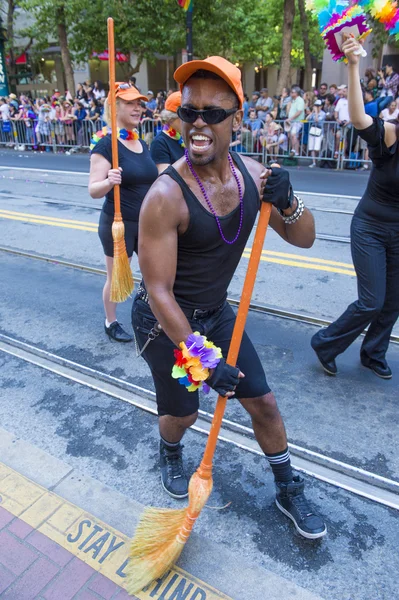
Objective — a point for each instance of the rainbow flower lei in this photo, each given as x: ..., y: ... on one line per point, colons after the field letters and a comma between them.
x: 123, y: 134
x: 194, y: 359
x: 175, y: 135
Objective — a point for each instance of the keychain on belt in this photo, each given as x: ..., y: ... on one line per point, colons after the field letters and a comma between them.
x: 154, y: 333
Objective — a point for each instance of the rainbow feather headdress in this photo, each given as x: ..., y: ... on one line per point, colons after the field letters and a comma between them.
x: 384, y: 11
x: 336, y: 17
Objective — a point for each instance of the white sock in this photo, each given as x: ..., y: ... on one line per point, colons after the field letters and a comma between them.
x: 107, y: 323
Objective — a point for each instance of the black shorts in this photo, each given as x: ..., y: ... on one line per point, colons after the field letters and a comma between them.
x: 105, y: 234
x: 172, y: 397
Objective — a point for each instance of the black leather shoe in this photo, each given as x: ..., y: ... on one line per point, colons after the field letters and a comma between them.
x: 115, y: 332
x: 173, y: 477
x: 380, y: 371
x: 329, y: 366
x: 291, y: 500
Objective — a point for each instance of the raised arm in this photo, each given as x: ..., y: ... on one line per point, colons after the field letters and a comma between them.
x: 160, y: 218
x: 355, y: 96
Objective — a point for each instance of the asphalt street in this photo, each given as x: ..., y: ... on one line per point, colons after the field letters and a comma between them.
x: 349, y: 183
x: 351, y: 418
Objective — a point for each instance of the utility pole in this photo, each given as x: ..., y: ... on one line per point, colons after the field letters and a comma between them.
x: 4, y: 90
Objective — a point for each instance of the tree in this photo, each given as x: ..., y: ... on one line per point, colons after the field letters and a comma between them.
x: 51, y: 22
x: 284, y: 78
x: 306, y: 45
x: 240, y: 30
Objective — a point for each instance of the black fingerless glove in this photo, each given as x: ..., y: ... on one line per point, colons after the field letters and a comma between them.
x: 224, y: 378
x: 278, y: 189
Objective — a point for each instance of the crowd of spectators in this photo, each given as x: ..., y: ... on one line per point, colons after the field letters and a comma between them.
x: 65, y: 121
x: 313, y: 124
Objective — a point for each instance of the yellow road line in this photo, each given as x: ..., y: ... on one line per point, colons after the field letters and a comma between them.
x: 304, y: 262
x: 53, y: 223
x: 323, y: 261
x: 292, y: 263
x: 45, y: 218
x: 91, y: 540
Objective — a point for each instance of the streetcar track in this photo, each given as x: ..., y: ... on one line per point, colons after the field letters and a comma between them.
x: 254, y: 306
x: 339, y: 474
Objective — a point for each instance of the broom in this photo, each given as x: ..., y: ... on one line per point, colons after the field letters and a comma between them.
x: 122, y: 278
x: 162, y: 533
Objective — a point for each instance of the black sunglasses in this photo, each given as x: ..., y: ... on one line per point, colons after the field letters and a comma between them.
x: 210, y: 116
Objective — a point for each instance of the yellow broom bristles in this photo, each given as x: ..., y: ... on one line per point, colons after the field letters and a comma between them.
x: 162, y: 533
x: 122, y: 279
x: 155, y: 546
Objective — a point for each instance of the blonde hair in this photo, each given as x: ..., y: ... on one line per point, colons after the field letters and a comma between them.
x: 107, y: 111
x: 167, y: 116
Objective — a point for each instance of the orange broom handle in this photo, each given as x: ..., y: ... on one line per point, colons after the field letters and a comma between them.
x: 112, y: 96
x: 206, y: 465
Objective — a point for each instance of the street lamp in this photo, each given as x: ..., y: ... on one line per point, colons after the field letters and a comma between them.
x: 3, y: 72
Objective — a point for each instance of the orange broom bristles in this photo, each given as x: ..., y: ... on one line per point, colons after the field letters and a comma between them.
x: 161, y: 534
x: 122, y: 279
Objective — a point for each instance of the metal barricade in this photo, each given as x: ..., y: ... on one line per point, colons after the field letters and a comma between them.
x: 353, y: 151
x: 336, y: 147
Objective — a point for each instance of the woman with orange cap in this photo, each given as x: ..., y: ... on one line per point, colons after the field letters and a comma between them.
x: 168, y: 146
x: 135, y: 175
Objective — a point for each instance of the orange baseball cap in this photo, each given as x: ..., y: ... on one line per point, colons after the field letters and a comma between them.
x: 173, y: 102
x: 127, y: 92
x: 216, y: 64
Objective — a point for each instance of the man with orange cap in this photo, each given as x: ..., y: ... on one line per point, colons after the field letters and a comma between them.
x: 168, y: 146
x: 194, y: 225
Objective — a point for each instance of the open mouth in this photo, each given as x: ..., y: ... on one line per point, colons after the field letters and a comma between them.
x: 200, y: 142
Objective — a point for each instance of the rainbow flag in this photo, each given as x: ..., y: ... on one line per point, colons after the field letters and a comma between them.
x: 185, y: 4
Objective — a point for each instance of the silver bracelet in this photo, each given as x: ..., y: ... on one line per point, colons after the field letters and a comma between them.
x: 295, y: 215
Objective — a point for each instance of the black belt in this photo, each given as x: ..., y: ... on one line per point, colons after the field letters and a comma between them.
x: 196, y: 313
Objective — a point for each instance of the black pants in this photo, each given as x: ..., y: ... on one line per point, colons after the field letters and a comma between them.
x: 173, y: 398
x: 375, y: 254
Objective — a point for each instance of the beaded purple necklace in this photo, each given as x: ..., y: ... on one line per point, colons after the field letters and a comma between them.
x: 209, y: 203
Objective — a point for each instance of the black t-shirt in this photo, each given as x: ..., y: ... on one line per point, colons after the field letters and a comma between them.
x: 381, y: 198
x: 164, y: 150
x: 138, y: 174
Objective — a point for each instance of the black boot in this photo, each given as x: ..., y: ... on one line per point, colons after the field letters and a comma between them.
x: 173, y: 477
x: 329, y: 366
x: 381, y: 371
x: 115, y: 332
x: 291, y: 500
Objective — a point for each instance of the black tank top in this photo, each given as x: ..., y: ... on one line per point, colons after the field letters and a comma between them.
x: 205, y: 263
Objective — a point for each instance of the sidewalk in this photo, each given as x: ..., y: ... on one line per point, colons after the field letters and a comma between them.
x: 66, y: 536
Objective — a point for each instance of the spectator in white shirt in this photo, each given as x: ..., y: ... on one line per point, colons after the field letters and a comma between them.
x: 391, y: 112
x: 341, y: 108
x: 264, y: 104
x: 341, y: 114
x: 4, y: 110
x: 316, y: 119
x: 295, y: 117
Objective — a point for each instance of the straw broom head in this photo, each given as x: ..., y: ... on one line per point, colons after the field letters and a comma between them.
x: 122, y: 279
x: 161, y: 534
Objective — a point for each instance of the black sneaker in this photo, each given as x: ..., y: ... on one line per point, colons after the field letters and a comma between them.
x: 173, y: 477
x: 291, y: 500
x: 329, y: 366
x: 115, y: 332
x: 379, y: 370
